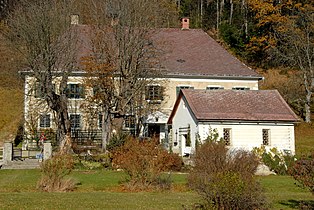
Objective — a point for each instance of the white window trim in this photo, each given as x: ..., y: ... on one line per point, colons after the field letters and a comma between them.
x: 77, y: 83
x: 50, y: 116
x: 81, y: 120
x: 155, y: 101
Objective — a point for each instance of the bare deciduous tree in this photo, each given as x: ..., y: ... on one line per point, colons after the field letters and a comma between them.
x: 41, y: 32
x: 296, y: 49
x: 124, y: 57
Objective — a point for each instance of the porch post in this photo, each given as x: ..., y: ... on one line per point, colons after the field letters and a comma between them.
x: 47, y: 151
x: 7, y: 152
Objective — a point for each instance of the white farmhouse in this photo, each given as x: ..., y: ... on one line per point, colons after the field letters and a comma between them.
x: 243, y: 119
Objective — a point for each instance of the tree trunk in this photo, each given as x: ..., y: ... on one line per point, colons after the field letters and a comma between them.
x: 64, y: 128
x: 308, y: 88
x: 308, y: 108
x: 231, y: 12
x: 105, y: 128
x: 218, y: 17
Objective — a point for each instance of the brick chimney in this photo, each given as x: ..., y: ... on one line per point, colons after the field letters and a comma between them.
x: 185, y: 23
x: 74, y: 19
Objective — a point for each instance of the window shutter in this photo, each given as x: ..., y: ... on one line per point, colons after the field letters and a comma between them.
x: 178, y: 90
x: 147, y: 93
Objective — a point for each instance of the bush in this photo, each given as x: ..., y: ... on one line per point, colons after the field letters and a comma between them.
x: 117, y: 140
x: 92, y: 162
x: 54, y: 171
x: 275, y: 160
x: 144, y: 161
x: 303, y: 172
x: 225, y: 179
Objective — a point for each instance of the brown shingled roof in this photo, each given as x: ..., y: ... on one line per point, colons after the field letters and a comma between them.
x: 193, y: 52
x: 230, y: 105
x: 185, y: 52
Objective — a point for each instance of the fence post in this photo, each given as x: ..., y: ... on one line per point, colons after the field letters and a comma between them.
x: 47, y: 151
x: 7, y: 152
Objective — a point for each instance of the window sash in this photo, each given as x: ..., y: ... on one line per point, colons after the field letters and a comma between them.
x: 153, y: 92
x: 129, y: 122
x: 214, y: 88
x: 75, y: 120
x: 240, y: 88
x: 75, y: 91
x: 227, y: 136
x: 265, y: 134
x: 178, y: 88
x: 44, y: 121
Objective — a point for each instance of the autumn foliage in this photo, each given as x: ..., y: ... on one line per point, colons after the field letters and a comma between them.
x: 225, y: 179
x: 144, y: 161
x: 303, y: 172
x: 54, y: 172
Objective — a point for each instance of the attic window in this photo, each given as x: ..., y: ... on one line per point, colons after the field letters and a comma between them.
x: 178, y: 88
x: 214, y: 88
x: 240, y: 88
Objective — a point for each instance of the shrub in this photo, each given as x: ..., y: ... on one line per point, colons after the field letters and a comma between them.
x: 54, y: 171
x: 91, y: 162
x: 225, y: 179
x: 144, y: 161
x: 117, y: 140
x: 303, y: 172
x: 275, y: 160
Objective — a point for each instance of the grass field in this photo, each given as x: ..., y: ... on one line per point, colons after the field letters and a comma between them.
x: 100, y: 190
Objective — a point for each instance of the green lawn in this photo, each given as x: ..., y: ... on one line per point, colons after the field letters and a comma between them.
x: 100, y: 190
x: 304, y: 141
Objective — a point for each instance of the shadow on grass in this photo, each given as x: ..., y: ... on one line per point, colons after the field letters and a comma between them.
x: 303, y: 204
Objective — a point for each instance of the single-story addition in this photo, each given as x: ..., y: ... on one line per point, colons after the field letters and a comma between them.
x: 243, y: 118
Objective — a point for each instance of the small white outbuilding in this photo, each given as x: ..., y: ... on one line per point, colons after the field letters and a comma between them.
x: 243, y: 118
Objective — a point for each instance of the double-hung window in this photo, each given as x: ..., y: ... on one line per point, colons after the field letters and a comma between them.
x: 129, y: 122
x: 39, y: 90
x: 75, y: 121
x: 75, y: 91
x: 44, y: 121
x: 153, y: 93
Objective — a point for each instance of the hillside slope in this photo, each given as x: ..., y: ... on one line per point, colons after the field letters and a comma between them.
x: 11, y: 94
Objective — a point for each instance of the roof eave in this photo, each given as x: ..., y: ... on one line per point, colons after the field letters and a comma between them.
x: 249, y: 121
x: 200, y: 76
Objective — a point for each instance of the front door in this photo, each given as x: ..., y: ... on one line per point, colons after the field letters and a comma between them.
x: 154, y: 131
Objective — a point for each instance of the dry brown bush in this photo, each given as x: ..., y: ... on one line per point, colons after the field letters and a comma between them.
x: 54, y: 172
x: 225, y: 179
x: 144, y: 161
